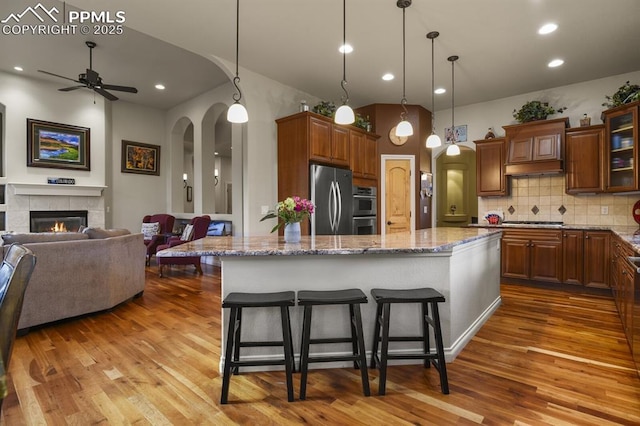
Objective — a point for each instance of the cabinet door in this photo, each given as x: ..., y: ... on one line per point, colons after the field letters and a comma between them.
x: 572, y: 257
x: 621, y: 152
x: 520, y: 149
x: 340, y: 146
x: 490, y: 167
x: 320, y: 139
x: 515, y: 258
x: 596, y: 258
x: 626, y: 302
x: 584, y: 149
x: 546, y: 147
x: 357, y: 141
x: 370, y: 157
x: 546, y: 261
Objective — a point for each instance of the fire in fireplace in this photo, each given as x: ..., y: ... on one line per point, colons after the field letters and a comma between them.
x: 57, y: 220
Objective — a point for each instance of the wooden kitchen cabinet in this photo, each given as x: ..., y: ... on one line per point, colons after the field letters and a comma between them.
x: 535, y: 147
x: 585, y: 258
x: 364, y: 155
x: 621, y: 148
x: 328, y: 143
x: 584, y: 159
x: 532, y: 254
x: 491, y: 179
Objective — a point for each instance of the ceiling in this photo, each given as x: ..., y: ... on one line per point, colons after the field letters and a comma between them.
x: 296, y: 41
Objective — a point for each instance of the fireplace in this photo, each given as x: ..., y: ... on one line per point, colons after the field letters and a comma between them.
x: 57, y: 220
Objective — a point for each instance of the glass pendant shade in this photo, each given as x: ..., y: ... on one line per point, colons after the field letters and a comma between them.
x: 404, y: 128
x: 453, y: 149
x: 433, y: 141
x: 345, y: 115
x: 237, y: 113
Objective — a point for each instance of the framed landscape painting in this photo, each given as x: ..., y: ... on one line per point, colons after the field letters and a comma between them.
x: 141, y: 158
x: 58, y: 146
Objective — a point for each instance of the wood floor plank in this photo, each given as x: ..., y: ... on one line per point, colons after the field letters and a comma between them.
x: 545, y: 357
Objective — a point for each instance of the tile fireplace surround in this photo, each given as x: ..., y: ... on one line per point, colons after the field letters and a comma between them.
x: 19, y: 204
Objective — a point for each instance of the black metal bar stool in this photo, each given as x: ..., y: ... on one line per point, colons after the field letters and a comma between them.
x: 425, y: 296
x: 238, y: 301
x: 351, y: 297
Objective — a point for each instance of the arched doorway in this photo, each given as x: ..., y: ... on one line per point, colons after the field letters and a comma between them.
x: 456, y: 196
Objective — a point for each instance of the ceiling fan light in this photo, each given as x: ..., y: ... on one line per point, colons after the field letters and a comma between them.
x: 433, y: 141
x: 237, y: 113
x: 453, y: 149
x: 404, y: 128
x: 345, y: 115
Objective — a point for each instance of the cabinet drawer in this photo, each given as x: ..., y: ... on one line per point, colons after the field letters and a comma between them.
x: 554, y: 235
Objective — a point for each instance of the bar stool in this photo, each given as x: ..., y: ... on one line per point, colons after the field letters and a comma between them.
x: 238, y: 301
x: 425, y: 296
x: 351, y: 297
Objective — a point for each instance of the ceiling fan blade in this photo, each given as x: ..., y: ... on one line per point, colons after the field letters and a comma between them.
x: 68, y: 89
x: 105, y: 94
x: 59, y: 76
x: 120, y: 88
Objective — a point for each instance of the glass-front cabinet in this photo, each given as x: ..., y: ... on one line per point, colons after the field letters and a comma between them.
x: 621, y: 148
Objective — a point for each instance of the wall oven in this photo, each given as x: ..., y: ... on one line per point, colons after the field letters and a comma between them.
x: 364, y: 201
x: 365, y: 225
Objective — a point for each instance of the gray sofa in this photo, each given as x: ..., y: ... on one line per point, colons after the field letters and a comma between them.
x: 80, y: 273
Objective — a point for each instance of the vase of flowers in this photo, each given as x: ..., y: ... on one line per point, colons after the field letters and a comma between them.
x: 290, y: 212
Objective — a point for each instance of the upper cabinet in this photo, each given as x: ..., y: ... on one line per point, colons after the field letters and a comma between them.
x: 584, y: 163
x: 491, y: 179
x: 364, y: 155
x: 535, y: 147
x: 621, y: 152
x: 328, y: 142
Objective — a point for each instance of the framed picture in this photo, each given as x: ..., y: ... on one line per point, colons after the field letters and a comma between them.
x: 58, y: 146
x: 460, y: 133
x: 141, y: 158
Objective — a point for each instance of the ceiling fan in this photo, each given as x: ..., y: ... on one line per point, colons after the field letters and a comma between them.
x: 92, y: 80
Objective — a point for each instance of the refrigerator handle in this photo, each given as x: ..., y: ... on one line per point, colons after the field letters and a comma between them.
x: 339, y: 203
x: 332, y: 205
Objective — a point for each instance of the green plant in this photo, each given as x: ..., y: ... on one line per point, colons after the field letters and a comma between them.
x: 362, y: 122
x: 325, y: 108
x: 290, y: 210
x: 535, y: 110
x: 625, y: 94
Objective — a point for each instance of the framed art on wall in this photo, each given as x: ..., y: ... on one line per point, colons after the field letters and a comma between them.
x: 460, y: 133
x: 140, y: 158
x: 58, y: 146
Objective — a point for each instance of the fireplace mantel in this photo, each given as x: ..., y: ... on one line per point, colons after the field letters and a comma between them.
x: 49, y: 189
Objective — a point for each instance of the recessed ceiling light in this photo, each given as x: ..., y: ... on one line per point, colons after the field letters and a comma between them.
x: 555, y: 63
x: 388, y: 77
x: 17, y: 68
x: 547, y: 28
x: 160, y: 86
x: 347, y: 48
x: 440, y: 91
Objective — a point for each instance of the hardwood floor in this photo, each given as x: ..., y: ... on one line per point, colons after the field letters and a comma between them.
x: 545, y: 357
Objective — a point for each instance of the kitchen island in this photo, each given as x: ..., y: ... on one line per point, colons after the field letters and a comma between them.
x: 461, y: 263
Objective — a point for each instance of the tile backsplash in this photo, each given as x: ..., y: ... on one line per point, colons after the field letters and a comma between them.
x: 546, y: 195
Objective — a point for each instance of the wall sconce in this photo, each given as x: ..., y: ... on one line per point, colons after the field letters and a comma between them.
x: 184, y: 179
x: 188, y: 188
x: 215, y: 176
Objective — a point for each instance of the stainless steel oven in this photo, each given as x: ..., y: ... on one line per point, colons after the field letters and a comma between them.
x: 364, y: 201
x: 365, y: 225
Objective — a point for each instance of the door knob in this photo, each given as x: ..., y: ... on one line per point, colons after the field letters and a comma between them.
x: 389, y: 223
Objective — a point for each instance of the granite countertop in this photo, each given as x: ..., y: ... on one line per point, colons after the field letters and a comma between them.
x: 630, y: 234
x: 432, y: 240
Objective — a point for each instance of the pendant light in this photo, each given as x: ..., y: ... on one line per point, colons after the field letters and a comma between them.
x: 344, y: 114
x: 237, y: 113
x: 404, y: 128
x: 433, y: 141
x: 453, y: 149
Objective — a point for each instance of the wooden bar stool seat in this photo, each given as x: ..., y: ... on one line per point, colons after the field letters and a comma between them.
x: 237, y: 302
x: 351, y: 297
x: 426, y: 297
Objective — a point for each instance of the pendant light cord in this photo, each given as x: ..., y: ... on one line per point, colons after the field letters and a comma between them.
x: 236, y: 79
x: 343, y: 83
x: 452, y: 59
x: 404, y: 64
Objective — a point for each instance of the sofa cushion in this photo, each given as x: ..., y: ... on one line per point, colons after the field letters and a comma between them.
x: 186, y: 234
x: 150, y: 229
x: 42, y: 237
x: 99, y: 233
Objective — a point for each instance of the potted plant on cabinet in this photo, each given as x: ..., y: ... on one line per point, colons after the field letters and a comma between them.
x: 535, y: 110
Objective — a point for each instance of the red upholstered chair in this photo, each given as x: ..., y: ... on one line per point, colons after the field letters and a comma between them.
x: 153, y: 241
x: 200, y: 225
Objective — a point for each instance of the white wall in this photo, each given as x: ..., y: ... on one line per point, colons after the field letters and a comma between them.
x: 132, y: 196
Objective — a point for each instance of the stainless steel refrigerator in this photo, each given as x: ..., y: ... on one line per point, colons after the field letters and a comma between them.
x: 331, y: 194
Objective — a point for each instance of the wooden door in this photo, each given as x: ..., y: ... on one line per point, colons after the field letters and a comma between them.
x: 357, y: 141
x: 490, y: 167
x: 319, y: 139
x: 515, y: 258
x: 397, y: 196
x: 340, y: 146
x: 546, y: 261
x: 596, y: 258
x: 585, y: 165
x: 370, y: 160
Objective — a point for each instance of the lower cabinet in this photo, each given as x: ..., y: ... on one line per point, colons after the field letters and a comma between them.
x: 532, y: 254
x: 623, y: 284
x: 585, y: 258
